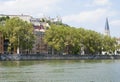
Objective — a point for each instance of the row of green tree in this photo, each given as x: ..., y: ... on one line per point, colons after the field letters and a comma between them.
x: 72, y: 40
x: 18, y: 32
x: 61, y: 38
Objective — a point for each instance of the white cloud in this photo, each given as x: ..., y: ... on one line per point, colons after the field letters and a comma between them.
x: 94, y: 19
x: 115, y: 23
x: 101, y: 2
x: 95, y: 3
x: 115, y: 27
x: 28, y: 6
x: 86, y: 16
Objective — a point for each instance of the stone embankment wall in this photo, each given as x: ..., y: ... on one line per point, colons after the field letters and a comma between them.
x: 53, y: 57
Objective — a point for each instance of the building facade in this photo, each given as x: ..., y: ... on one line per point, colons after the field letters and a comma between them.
x: 23, y: 17
x: 1, y: 43
x: 39, y: 31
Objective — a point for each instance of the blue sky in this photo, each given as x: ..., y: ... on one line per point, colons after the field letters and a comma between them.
x: 89, y: 14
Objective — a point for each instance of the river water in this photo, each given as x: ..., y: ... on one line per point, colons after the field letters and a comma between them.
x: 60, y: 71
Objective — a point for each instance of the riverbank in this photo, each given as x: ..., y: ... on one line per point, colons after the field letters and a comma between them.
x: 55, y: 57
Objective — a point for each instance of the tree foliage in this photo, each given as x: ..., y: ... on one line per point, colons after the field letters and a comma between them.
x: 19, y: 33
x: 71, y: 40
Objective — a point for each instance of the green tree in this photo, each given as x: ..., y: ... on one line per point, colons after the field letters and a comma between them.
x: 2, y: 25
x: 72, y: 40
x: 109, y: 44
x: 19, y: 33
x: 63, y: 38
x: 92, y: 42
x: 4, y: 18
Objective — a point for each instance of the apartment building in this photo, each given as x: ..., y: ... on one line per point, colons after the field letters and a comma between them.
x: 39, y: 31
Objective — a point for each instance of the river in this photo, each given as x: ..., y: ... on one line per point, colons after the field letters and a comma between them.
x: 60, y: 71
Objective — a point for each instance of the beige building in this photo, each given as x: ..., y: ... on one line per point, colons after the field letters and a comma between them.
x: 23, y: 17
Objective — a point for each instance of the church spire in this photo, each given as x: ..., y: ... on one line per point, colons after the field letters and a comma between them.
x: 107, y: 30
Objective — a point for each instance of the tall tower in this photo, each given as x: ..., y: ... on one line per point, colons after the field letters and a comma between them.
x: 107, y: 30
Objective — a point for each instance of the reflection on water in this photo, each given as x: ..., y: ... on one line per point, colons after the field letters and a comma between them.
x: 60, y: 71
